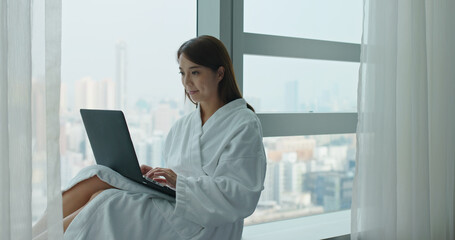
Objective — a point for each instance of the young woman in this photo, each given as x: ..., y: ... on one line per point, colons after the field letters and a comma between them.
x: 215, y: 161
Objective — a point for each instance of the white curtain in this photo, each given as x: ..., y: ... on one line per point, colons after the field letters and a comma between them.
x: 30, y: 33
x: 404, y: 185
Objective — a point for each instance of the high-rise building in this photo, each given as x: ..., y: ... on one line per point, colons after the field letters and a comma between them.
x: 95, y: 94
x: 292, y: 96
x: 106, y: 94
x: 273, y: 184
x: 163, y: 117
x: 154, y: 147
x: 63, y: 99
x: 302, y: 145
x: 120, y: 74
x: 141, y: 152
x: 293, y: 172
x: 86, y: 95
x: 330, y: 189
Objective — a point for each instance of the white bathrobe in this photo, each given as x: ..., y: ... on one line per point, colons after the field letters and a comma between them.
x: 220, y: 168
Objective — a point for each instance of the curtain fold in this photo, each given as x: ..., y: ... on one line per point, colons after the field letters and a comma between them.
x: 29, y: 117
x: 15, y: 97
x: 53, y: 36
x: 404, y: 184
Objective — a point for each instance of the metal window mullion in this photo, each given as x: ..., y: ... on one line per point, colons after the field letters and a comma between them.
x: 237, y: 41
x: 297, y: 124
x: 269, y: 45
x: 208, y: 18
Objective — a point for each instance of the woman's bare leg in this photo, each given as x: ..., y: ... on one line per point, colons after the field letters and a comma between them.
x: 73, y: 201
x: 68, y: 219
x: 77, y: 196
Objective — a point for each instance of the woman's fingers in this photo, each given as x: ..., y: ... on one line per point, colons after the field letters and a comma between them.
x: 161, y: 180
x: 145, y: 169
x: 168, y: 174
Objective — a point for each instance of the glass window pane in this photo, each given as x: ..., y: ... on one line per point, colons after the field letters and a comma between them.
x: 278, y: 84
x: 306, y: 175
x: 332, y: 20
x: 124, y: 53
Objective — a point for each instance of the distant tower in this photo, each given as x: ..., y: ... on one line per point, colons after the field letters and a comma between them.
x: 106, y: 94
x: 86, y: 93
x: 292, y: 97
x: 120, y: 74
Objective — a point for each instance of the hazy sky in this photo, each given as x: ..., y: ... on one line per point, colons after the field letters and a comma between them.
x: 336, y: 20
x: 154, y: 29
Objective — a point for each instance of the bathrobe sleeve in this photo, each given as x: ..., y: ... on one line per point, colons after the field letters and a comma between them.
x: 233, y: 191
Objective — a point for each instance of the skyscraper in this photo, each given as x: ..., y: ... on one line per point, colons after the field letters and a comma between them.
x: 292, y: 96
x: 120, y: 74
x: 163, y: 117
x: 86, y: 94
x: 106, y: 94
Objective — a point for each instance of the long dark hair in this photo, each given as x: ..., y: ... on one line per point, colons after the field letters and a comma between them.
x: 210, y: 52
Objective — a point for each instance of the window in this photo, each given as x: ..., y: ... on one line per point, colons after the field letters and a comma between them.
x: 306, y: 175
x: 122, y: 55
x: 331, y: 20
x: 297, y: 64
x: 300, y: 73
x: 279, y: 84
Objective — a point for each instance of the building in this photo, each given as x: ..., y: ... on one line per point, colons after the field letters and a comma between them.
x: 121, y: 74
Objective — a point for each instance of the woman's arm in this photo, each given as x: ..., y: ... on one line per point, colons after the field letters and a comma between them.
x: 233, y: 191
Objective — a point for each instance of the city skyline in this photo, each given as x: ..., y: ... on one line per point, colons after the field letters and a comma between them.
x: 134, y: 46
x: 291, y: 94
x: 300, y: 169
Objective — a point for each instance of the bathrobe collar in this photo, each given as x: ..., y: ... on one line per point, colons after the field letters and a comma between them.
x: 198, y: 130
x: 220, y: 113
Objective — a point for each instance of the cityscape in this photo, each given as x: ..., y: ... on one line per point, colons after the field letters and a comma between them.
x: 306, y: 175
x: 126, y: 60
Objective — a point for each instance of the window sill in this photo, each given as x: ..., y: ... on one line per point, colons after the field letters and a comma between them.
x: 313, y: 227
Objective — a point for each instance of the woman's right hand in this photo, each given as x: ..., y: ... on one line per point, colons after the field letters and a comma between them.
x: 145, y: 169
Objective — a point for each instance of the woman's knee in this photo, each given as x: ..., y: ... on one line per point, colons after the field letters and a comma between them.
x: 96, y: 194
x: 84, y: 190
x: 96, y: 181
x: 95, y: 184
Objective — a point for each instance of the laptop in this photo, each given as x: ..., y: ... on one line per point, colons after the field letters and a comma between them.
x: 112, y: 146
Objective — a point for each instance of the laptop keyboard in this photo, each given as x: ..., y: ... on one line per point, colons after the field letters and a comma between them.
x: 168, y: 190
x: 153, y: 181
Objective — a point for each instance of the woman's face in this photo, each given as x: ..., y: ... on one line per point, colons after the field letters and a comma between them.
x: 200, y: 82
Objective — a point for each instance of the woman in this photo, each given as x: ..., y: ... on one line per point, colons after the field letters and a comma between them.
x: 215, y: 158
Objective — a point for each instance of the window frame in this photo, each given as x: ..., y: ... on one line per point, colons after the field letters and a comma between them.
x: 224, y: 19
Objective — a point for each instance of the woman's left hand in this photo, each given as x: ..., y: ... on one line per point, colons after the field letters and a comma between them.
x: 170, y: 177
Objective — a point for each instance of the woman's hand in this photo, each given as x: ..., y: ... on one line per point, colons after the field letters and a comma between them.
x: 162, y: 175
x: 145, y: 169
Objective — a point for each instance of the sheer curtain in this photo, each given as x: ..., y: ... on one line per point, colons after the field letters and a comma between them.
x: 404, y: 185
x: 30, y: 33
